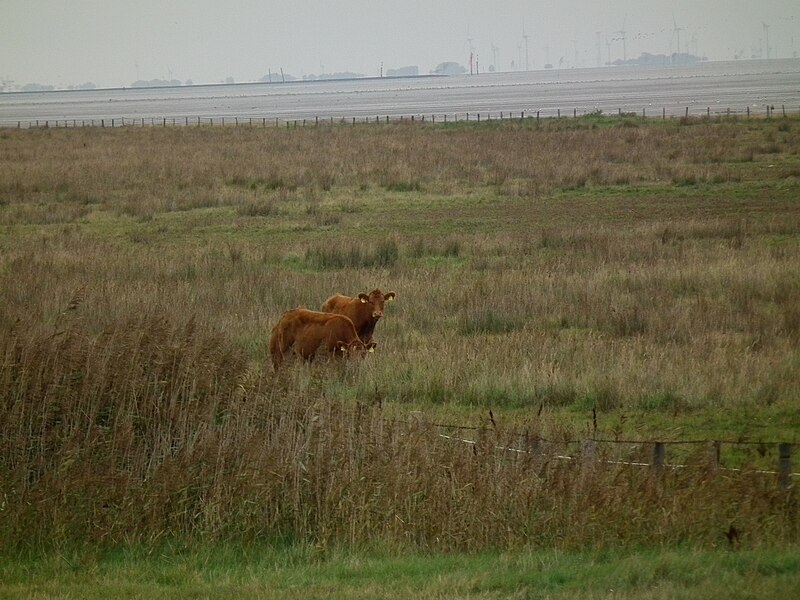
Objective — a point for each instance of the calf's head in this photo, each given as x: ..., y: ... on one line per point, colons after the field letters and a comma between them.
x: 376, y: 299
x: 354, y: 348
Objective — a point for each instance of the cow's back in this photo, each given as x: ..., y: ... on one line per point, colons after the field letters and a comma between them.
x: 307, y: 332
x: 337, y: 303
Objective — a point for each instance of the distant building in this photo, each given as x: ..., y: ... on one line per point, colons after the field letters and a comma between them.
x: 449, y: 68
x: 411, y: 71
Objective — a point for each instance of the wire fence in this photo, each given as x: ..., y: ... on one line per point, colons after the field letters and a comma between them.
x: 588, y: 450
x: 766, y: 111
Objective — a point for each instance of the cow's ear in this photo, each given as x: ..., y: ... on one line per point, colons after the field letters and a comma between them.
x: 371, y: 346
x: 363, y: 297
x: 389, y: 297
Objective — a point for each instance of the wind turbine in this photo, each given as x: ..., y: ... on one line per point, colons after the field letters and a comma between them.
x: 599, y: 48
x: 622, y: 33
x: 676, y: 31
x: 525, y: 37
x: 494, y: 55
x: 471, y: 53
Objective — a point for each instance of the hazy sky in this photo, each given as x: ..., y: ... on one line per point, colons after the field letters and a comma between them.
x: 115, y: 42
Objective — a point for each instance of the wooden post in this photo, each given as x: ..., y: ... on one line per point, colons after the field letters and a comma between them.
x: 783, y: 108
x: 479, y: 117
x: 467, y: 116
x: 748, y: 111
x: 559, y: 113
x: 713, y: 455
x: 785, y: 466
x: 659, y: 454
x: 644, y: 114
x: 708, y: 112
x: 574, y: 113
x: 687, y: 112
x: 589, y: 452
x: 663, y: 113
x: 537, y: 116
x: 522, y: 115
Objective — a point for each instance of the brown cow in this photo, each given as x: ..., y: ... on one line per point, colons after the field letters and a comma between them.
x: 364, y: 310
x: 308, y: 331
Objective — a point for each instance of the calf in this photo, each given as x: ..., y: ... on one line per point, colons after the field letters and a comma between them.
x: 364, y: 310
x: 307, y: 332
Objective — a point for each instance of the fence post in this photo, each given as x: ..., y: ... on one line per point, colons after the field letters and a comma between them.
x: 559, y: 113
x: 663, y: 113
x: 589, y: 452
x: 659, y: 454
x: 522, y: 115
x: 537, y: 116
x: 687, y: 112
x: 748, y: 111
x: 708, y: 112
x: 713, y: 455
x: 785, y: 466
x: 644, y: 114
x: 574, y: 113
x: 783, y: 108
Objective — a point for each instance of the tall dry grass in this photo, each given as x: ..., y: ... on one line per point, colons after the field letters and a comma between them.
x: 647, y: 270
x: 155, y: 429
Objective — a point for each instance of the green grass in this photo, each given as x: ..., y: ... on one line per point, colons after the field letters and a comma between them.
x: 227, y: 572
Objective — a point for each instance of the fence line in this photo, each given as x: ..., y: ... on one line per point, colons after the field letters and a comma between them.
x: 765, y: 111
x: 784, y: 472
x: 588, y: 449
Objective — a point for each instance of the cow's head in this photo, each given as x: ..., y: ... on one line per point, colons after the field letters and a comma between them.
x: 376, y: 300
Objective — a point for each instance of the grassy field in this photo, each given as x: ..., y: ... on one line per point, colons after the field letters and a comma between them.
x: 262, y: 573
x: 595, y: 277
